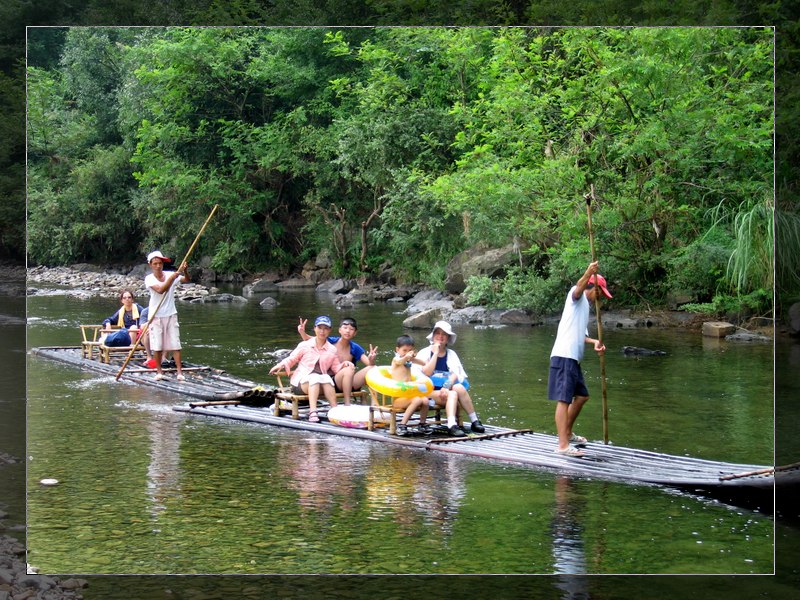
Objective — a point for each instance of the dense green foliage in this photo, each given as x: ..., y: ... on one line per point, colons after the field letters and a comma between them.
x: 406, y: 146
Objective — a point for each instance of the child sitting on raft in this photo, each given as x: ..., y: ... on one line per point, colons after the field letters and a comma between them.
x: 404, y: 358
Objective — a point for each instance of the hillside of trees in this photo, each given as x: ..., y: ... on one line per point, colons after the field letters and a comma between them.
x: 405, y: 146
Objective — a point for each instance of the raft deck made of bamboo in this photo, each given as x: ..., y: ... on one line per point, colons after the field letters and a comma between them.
x: 523, y: 447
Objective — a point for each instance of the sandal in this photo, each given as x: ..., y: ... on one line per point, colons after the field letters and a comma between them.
x: 570, y: 451
x: 313, y: 417
x: 578, y: 439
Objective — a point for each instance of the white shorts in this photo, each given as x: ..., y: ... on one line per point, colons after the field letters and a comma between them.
x: 165, y: 334
x: 319, y: 378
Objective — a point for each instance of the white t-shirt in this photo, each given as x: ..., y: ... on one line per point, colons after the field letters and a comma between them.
x: 168, y: 307
x: 572, y: 328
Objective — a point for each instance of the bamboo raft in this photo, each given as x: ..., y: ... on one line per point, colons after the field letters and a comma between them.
x: 227, y: 397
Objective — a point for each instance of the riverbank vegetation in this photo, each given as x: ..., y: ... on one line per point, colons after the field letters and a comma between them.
x: 404, y: 147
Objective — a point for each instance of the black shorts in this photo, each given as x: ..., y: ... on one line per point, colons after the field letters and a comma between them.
x: 565, y: 380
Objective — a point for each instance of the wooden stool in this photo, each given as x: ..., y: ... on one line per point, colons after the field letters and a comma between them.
x: 90, y: 334
x: 383, y: 403
x: 284, y: 392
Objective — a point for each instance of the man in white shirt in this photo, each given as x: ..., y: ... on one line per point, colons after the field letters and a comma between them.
x: 565, y: 384
x: 164, y: 329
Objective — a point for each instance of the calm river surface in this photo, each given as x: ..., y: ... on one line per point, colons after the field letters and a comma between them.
x: 147, y: 490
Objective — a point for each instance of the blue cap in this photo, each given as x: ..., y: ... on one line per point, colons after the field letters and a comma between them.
x: 323, y: 320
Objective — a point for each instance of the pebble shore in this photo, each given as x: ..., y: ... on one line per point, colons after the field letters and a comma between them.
x: 86, y: 283
x: 16, y: 583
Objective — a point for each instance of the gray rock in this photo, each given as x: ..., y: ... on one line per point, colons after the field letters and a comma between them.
x: 746, y: 336
x: 336, y: 286
x: 470, y: 314
x: 636, y: 351
x: 427, y: 300
x: 478, y: 261
x: 225, y: 298
x: 296, y: 283
x: 516, y: 317
x: 423, y: 320
x: 259, y: 286
x: 269, y: 302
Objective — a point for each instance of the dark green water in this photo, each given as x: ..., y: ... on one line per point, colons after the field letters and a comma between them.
x: 147, y: 490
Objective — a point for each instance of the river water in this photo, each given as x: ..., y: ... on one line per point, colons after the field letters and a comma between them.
x: 144, y: 489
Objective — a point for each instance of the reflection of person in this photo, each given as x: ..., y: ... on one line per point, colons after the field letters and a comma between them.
x: 317, y: 362
x: 452, y: 393
x: 569, y: 557
x: 164, y: 329
x: 566, y: 385
x: 347, y: 379
x: 404, y: 358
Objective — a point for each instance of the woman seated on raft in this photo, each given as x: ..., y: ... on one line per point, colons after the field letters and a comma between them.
x: 452, y: 393
x: 348, y: 379
x: 317, y: 361
x: 126, y: 320
x: 404, y: 358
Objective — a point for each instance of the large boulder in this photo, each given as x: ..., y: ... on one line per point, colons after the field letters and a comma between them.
x: 427, y: 300
x: 491, y: 262
x: 718, y: 329
x: 259, y: 286
x: 336, y: 286
x: 423, y: 320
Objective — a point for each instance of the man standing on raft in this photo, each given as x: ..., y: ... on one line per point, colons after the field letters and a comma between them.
x: 565, y: 384
x: 164, y: 330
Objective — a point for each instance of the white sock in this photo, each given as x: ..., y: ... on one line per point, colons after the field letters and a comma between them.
x: 473, y: 417
x: 451, y: 421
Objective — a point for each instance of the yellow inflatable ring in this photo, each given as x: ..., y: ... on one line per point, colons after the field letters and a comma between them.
x: 380, y: 380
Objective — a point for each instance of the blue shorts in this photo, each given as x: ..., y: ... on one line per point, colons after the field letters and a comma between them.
x: 565, y: 380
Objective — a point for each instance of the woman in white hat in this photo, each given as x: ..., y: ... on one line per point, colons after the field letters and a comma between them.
x: 452, y: 393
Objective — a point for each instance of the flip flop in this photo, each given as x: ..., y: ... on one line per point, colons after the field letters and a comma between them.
x: 578, y: 439
x: 313, y: 417
x: 571, y: 451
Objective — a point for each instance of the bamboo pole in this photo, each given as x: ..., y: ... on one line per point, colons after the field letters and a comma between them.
x: 589, y: 199
x: 164, y: 295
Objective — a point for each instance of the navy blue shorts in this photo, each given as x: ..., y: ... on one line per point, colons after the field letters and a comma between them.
x: 565, y: 380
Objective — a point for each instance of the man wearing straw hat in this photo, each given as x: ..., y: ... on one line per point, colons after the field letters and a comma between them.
x: 565, y: 384
x: 164, y: 329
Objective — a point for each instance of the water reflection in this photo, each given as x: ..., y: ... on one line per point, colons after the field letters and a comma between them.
x: 414, y: 493
x: 162, y: 471
x: 324, y: 483
x: 569, y: 557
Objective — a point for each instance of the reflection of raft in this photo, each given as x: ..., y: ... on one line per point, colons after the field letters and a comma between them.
x: 354, y: 416
x: 735, y: 481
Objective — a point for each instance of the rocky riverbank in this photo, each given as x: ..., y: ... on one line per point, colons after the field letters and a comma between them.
x: 16, y: 583
x: 424, y: 306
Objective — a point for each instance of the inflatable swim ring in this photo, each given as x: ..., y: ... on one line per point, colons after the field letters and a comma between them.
x: 439, y: 377
x: 355, y: 416
x: 380, y: 380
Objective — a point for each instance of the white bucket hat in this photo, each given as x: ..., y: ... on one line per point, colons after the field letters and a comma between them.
x: 444, y: 326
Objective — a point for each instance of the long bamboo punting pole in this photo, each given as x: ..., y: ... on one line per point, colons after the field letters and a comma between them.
x: 152, y: 316
x: 589, y: 199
